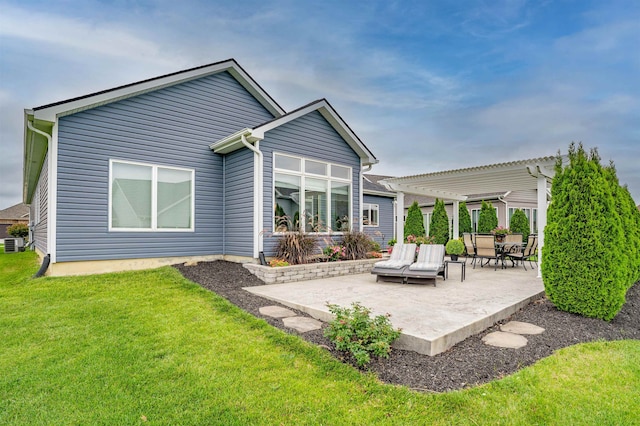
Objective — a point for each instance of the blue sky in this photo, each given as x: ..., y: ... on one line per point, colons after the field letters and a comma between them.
x: 427, y: 85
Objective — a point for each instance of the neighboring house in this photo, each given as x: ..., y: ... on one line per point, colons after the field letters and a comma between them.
x: 12, y: 215
x: 378, y: 210
x: 505, y: 203
x: 196, y: 165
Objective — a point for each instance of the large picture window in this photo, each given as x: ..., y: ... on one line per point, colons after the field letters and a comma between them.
x: 321, y: 189
x: 144, y: 197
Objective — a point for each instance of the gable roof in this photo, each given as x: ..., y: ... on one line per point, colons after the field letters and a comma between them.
x: 70, y: 106
x: 234, y: 141
x: 18, y: 212
x: 39, y: 121
x: 371, y: 186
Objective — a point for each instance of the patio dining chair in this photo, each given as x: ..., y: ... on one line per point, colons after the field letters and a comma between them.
x: 526, y: 253
x: 469, y: 246
x: 428, y: 266
x: 402, y: 256
x: 486, y: 249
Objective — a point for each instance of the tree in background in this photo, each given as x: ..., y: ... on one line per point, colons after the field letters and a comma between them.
x: 464, y: 219
x: 519, y: 224
x: 439, y: 225
x: 414, y: 224
x: 488, y: 219
x: 585, y: 265
x: 630, y: 216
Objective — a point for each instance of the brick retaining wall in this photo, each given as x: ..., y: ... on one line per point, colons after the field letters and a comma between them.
x: 311, y: 271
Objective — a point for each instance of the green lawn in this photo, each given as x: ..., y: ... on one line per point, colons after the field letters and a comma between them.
x: 153, y: 348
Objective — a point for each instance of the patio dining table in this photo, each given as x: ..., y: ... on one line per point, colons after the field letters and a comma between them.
x: 507, y: 247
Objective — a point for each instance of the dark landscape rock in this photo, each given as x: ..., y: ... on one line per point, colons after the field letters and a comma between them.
x: 468, y: 363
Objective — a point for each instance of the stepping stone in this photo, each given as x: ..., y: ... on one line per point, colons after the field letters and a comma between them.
x: 277, y: 312
x: 518, y: 327
x: 505, y: 340
x: 302, y: 324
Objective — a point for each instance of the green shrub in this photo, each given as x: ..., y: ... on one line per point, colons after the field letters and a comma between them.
x: 439, y: 226
x: 488, y: 219
x: 519, y: 224
x: 414, y: 225
x: 18, y: 230
x: 584, y: 263
x: 464, y: 219
x: 392, y: 242
x: 455, y: 247
x: 353, y: 330
x: 296, y: 247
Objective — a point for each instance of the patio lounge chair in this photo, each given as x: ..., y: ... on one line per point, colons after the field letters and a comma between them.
x: 527, y: 253
x: 429, y: 265
x: 402, y: 256
x: 468, y: 244
x: 486, y: 249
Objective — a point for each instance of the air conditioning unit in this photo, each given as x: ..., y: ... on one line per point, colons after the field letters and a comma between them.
x: 13, y: 245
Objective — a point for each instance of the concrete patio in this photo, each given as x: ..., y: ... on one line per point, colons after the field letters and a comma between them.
x: 433, y: 319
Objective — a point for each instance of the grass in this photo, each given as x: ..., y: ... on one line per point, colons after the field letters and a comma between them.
x: 151, y: 347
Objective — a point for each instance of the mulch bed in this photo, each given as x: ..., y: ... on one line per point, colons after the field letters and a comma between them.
x: 468, y: 363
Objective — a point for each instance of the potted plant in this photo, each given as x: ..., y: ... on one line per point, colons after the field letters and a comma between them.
x: 500, y: 232
x: 454, y: 248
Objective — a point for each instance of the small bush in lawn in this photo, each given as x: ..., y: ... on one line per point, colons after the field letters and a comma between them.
x: 439, y: 226
x: 18, y: 230
x: 354, y: 330
x: 464, y: 219
x: 519, y: 224
x: 488, y: 219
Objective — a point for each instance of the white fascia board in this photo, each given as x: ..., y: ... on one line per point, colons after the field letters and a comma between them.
x: 231, y: 142
x: 379, y: 193
x: 102, y: 98
x: 333, y: 118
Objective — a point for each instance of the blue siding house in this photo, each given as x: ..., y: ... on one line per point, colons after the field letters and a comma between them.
x: 201, y: 164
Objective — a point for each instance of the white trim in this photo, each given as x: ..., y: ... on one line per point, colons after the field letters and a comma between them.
x: 52, y: 205
x: 361, y: 200
x: 400, y: 217
x: 154, y: 198
x: 135, y: 89
x: 233, y: 142
x: 542, y: 217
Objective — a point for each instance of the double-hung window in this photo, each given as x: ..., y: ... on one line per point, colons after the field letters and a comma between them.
x: 370, y: 214
x: 147, y: 197
x: 311, y: 194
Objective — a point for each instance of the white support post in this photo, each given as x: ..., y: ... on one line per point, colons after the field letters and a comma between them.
x: 456, y: 219
x: 400, y: 217
x: 542, y: 217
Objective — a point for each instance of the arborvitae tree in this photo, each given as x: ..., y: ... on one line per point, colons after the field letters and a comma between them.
x: 414, y: 225
x: 630, y: 216
x: 464, y: 219
x: 488, y: 219
x: 519, y: 224
x: 439, y: 226
x: 584, y: 267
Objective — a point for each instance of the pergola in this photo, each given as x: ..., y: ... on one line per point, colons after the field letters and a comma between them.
x: 457, y: 185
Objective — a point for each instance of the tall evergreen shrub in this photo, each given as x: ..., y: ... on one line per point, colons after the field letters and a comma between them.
x: 414, y: 225
x: 488, y: 219
x: 439, y: 225
x: 519, y: 224
x: 630, y: 216
x: 584, y: 266
x: 464, y: 219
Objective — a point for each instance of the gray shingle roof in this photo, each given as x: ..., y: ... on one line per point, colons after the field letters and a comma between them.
x: 17, y: 212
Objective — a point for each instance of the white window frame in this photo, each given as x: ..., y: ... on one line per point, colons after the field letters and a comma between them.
x: 302, y: 174
x: 154, y: 198
x: 371, y: 207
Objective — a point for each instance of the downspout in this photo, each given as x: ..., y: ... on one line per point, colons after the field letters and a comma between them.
x: 506, y: 207
x: 257, y: 197
x: 47, y: 258
x: 363, y: 170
